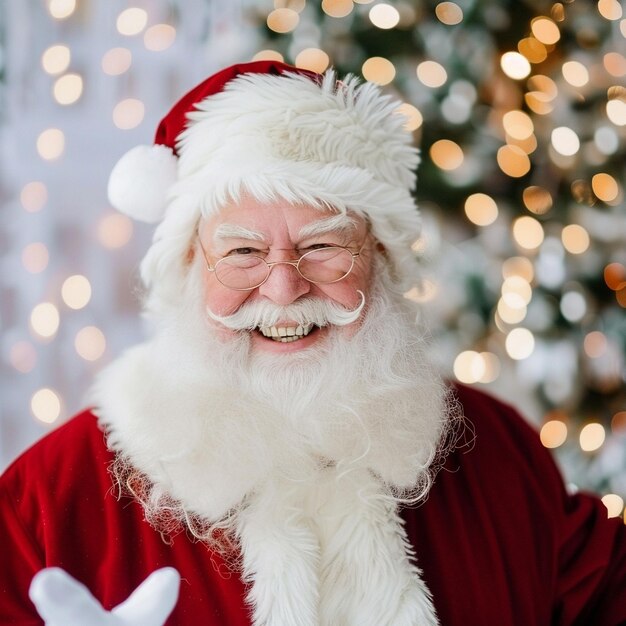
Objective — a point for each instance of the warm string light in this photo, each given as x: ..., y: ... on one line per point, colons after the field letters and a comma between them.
x: 45, y: 405
x: 116, y: 61
x: 476, y: 367
x: 51, y: 144
x: 128, y: 113
x: 131, y: 21
x: 33, y: 196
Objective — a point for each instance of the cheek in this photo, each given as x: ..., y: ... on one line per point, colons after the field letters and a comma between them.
x: 221, y: 300
x: 345, y: 292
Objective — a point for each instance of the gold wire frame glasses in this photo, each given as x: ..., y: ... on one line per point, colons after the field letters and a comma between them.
x: 245, y: 272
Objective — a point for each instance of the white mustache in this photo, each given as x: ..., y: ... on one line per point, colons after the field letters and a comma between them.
x: 309, y: 311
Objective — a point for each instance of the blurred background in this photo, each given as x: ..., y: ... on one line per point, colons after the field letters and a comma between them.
x: 520, y: 110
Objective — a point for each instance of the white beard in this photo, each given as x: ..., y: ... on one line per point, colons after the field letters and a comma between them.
x: 300, y: 459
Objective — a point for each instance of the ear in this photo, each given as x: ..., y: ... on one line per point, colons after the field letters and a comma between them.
x: 191, y: 255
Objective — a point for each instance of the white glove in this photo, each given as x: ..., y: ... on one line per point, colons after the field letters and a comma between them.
x: 63, y: 601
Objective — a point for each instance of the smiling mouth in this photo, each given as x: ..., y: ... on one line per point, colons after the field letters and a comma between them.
x: 286, y: 334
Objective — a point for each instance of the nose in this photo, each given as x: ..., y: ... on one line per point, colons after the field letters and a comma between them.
x: 284, y: 285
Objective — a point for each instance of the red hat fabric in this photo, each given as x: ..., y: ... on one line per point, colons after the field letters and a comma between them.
x: 140, y: 181
x: 175, y: 121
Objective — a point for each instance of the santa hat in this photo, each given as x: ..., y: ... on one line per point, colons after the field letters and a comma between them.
x: 273, y: 130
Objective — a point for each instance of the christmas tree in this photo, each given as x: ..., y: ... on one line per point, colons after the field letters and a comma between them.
x: 519, y: 110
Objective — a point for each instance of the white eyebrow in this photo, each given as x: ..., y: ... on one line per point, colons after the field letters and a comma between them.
x: 234, y: 231
x: 336, y: 223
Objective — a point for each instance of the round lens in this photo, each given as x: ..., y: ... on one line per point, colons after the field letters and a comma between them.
x: 241, y: 272
x: 326, y: 265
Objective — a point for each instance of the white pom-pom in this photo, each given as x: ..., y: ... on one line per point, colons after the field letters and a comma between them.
x: 140, y: 180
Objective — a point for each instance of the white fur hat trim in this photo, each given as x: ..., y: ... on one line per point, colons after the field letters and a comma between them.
x: 140, y: 182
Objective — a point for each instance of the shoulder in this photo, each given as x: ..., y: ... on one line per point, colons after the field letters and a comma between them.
x: 73, y: 453
x: 495, y: 425
x: 501, y: 452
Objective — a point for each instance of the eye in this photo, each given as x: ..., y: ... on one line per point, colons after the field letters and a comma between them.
x: 243, y: 251
x: 318, y: 246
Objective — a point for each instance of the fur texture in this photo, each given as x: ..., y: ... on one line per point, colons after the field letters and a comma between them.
x: 140, y: 181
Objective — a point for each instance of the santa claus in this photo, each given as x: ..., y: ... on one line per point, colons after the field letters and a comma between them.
x: 273, y: 439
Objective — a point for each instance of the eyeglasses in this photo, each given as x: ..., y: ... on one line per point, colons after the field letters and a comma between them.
x: 243, y: 272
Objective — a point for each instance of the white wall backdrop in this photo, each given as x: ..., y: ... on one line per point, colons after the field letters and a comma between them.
x: 55, y: 160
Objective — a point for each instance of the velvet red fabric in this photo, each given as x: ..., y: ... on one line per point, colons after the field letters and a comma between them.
x: 499, y: 540
x: 176, y: 120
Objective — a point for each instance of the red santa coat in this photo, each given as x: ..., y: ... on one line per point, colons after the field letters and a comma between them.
x: 499, y: 541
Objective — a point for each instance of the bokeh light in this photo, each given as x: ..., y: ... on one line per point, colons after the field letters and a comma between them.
x: 575, y: 73
x: 606, y: 140
x: 116, y: 61
x: 56, y: 59
x: 545, y: 30
x: 592, y: 437
x: 615, y: 276
x: 519, y: 343
x: 595, y: 344
x: 615, y: 64
x: 516, y: 292
x: 573, y: 306
x: 128, y: 113
x: 51, y: 144
x: 553, y: 433
x: 23, y: 356
x: 446, y: 154
x: 34, y: 196
x: 449, y: 13
x: 510, y: 315
x: 518, y: 124
x: 432, y: 74
x: 518, y: 266
x: 616, y: 111
x: 337, y: 8
x: 378, y: 70
x: 610, y: 9
x: 515, y: 65
x: 313, y: 59
x: 76, y: 291
x: 481, y: 209
x: 614, y: 504
x: 90, y: 343
x: 469, y: 367
x: 268, y: 55
x: 35, y: 257
x: 605, y: 187
x: 115, y: 230
x: 282, y: 20
x: 44, y: 320
x: 68, y: 88
x: 565, y: 141
x: 537, y: 199
x: 294, y: 5
x: 618, y: 422
x: 575, y: 239
x: 159, y: 37
x: 384, y: 16
x: 533, y: 50
x: 513, y: 161
x: 131, y: 21
x: 414, y: 118
x: 61, y: 9
x: 45, y: 405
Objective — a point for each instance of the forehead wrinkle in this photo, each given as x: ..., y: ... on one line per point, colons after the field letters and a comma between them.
x: 236, y: 231
x: 336, y: 223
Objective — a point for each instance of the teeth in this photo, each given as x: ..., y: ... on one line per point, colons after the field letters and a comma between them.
x: 286, y: 334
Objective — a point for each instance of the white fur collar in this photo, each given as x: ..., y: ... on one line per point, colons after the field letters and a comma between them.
x: 325, y: 549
